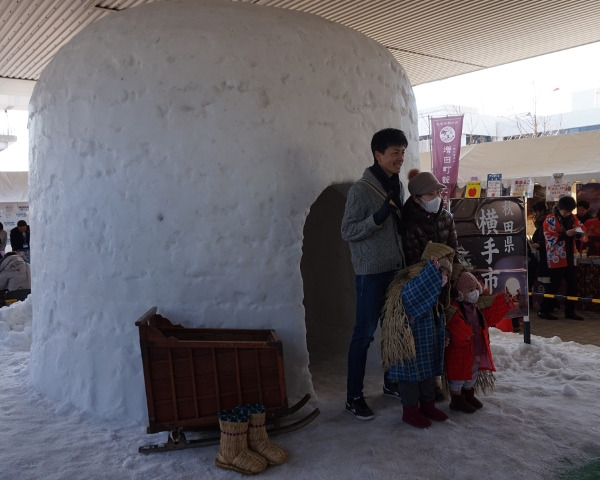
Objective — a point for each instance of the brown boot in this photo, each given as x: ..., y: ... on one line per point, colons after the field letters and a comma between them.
x: 233, y: 450
x: 258, y: 441
x: 470, y: 398
x: 459, y: 404
x: 413, y: 417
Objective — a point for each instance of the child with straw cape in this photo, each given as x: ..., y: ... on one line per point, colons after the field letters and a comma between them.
x: 413, y: 333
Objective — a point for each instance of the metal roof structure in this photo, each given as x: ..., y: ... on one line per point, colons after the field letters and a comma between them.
x: 432, y: 39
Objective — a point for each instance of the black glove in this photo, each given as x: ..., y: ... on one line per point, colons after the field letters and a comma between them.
x: 385, y: 211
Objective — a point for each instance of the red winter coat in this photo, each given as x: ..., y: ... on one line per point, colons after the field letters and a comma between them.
x: 460, y: 354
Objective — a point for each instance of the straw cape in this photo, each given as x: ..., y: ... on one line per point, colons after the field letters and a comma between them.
x: 412, y: 333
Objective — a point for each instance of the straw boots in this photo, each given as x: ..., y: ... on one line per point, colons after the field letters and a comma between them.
x: 233, y: 449
x: 245, y: 446
x: 258, y: 440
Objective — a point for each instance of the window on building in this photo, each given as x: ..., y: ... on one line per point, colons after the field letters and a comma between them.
x: 474, y: 139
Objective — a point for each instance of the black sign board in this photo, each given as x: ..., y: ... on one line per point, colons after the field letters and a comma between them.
x: 492, y: 232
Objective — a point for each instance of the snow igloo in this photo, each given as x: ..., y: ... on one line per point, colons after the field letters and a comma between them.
x: 177, y: 149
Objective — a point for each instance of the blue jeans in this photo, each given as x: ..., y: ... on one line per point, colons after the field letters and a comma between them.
x: 370, y: 297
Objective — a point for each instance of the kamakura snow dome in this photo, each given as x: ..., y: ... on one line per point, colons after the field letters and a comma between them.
x: 176, y: 150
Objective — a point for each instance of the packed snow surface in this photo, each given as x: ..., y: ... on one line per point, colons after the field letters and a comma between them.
x: 540, y: 422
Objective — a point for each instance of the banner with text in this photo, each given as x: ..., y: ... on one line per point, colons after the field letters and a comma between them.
x: 494, y: 185
x: 557, y: 190
x: 446, y: 133
x: 522, y: 187
x: 492, y: 232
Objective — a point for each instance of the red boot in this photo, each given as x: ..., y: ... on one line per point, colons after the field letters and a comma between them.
x: 430, y: 411
x: 470, y: 398
x: 412, y: 416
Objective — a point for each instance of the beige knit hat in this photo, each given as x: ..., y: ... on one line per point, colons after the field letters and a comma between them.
x: 423, y: 183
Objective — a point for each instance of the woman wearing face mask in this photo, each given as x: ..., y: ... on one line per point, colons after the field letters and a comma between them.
x: 469, y: 363
x: 425, y: 219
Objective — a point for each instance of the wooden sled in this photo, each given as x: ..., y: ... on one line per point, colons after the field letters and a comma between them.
x: 191, y: 374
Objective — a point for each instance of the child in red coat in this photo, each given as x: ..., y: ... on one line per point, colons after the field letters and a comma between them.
x: 469, y: 350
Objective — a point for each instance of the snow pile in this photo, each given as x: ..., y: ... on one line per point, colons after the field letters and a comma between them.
x: 532, y: 426
x: 15, y: 325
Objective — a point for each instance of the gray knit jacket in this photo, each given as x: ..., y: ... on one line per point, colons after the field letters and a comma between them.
x: 374, y: 248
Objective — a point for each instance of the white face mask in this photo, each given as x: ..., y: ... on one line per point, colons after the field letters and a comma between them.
x: 444, y: 280
x: 472, y: 297
x: 431, y: 206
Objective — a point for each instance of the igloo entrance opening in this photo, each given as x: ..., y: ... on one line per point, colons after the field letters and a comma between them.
x: 329, y: 294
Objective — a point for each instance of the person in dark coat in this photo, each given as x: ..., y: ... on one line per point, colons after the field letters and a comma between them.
x: 541, y: 272
x: 583, y: 211
x: 425, y: 218
x: 3, y: 239
x: 19, y: 236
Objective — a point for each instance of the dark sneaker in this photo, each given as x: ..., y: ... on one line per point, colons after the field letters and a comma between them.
x: 573, y: 316
x: 391, y: 391
x: 546, y: 316
x: 359, y: 408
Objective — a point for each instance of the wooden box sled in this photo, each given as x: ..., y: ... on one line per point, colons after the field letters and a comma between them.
x: 191, y: 374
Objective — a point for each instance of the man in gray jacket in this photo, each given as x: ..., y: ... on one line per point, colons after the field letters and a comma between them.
x: 372, y: 225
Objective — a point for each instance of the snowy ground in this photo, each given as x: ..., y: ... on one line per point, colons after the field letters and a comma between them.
x: 542, y: 422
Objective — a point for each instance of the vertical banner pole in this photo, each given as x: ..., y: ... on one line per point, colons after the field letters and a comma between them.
x: 430, y: 143
x: 526, y: 324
